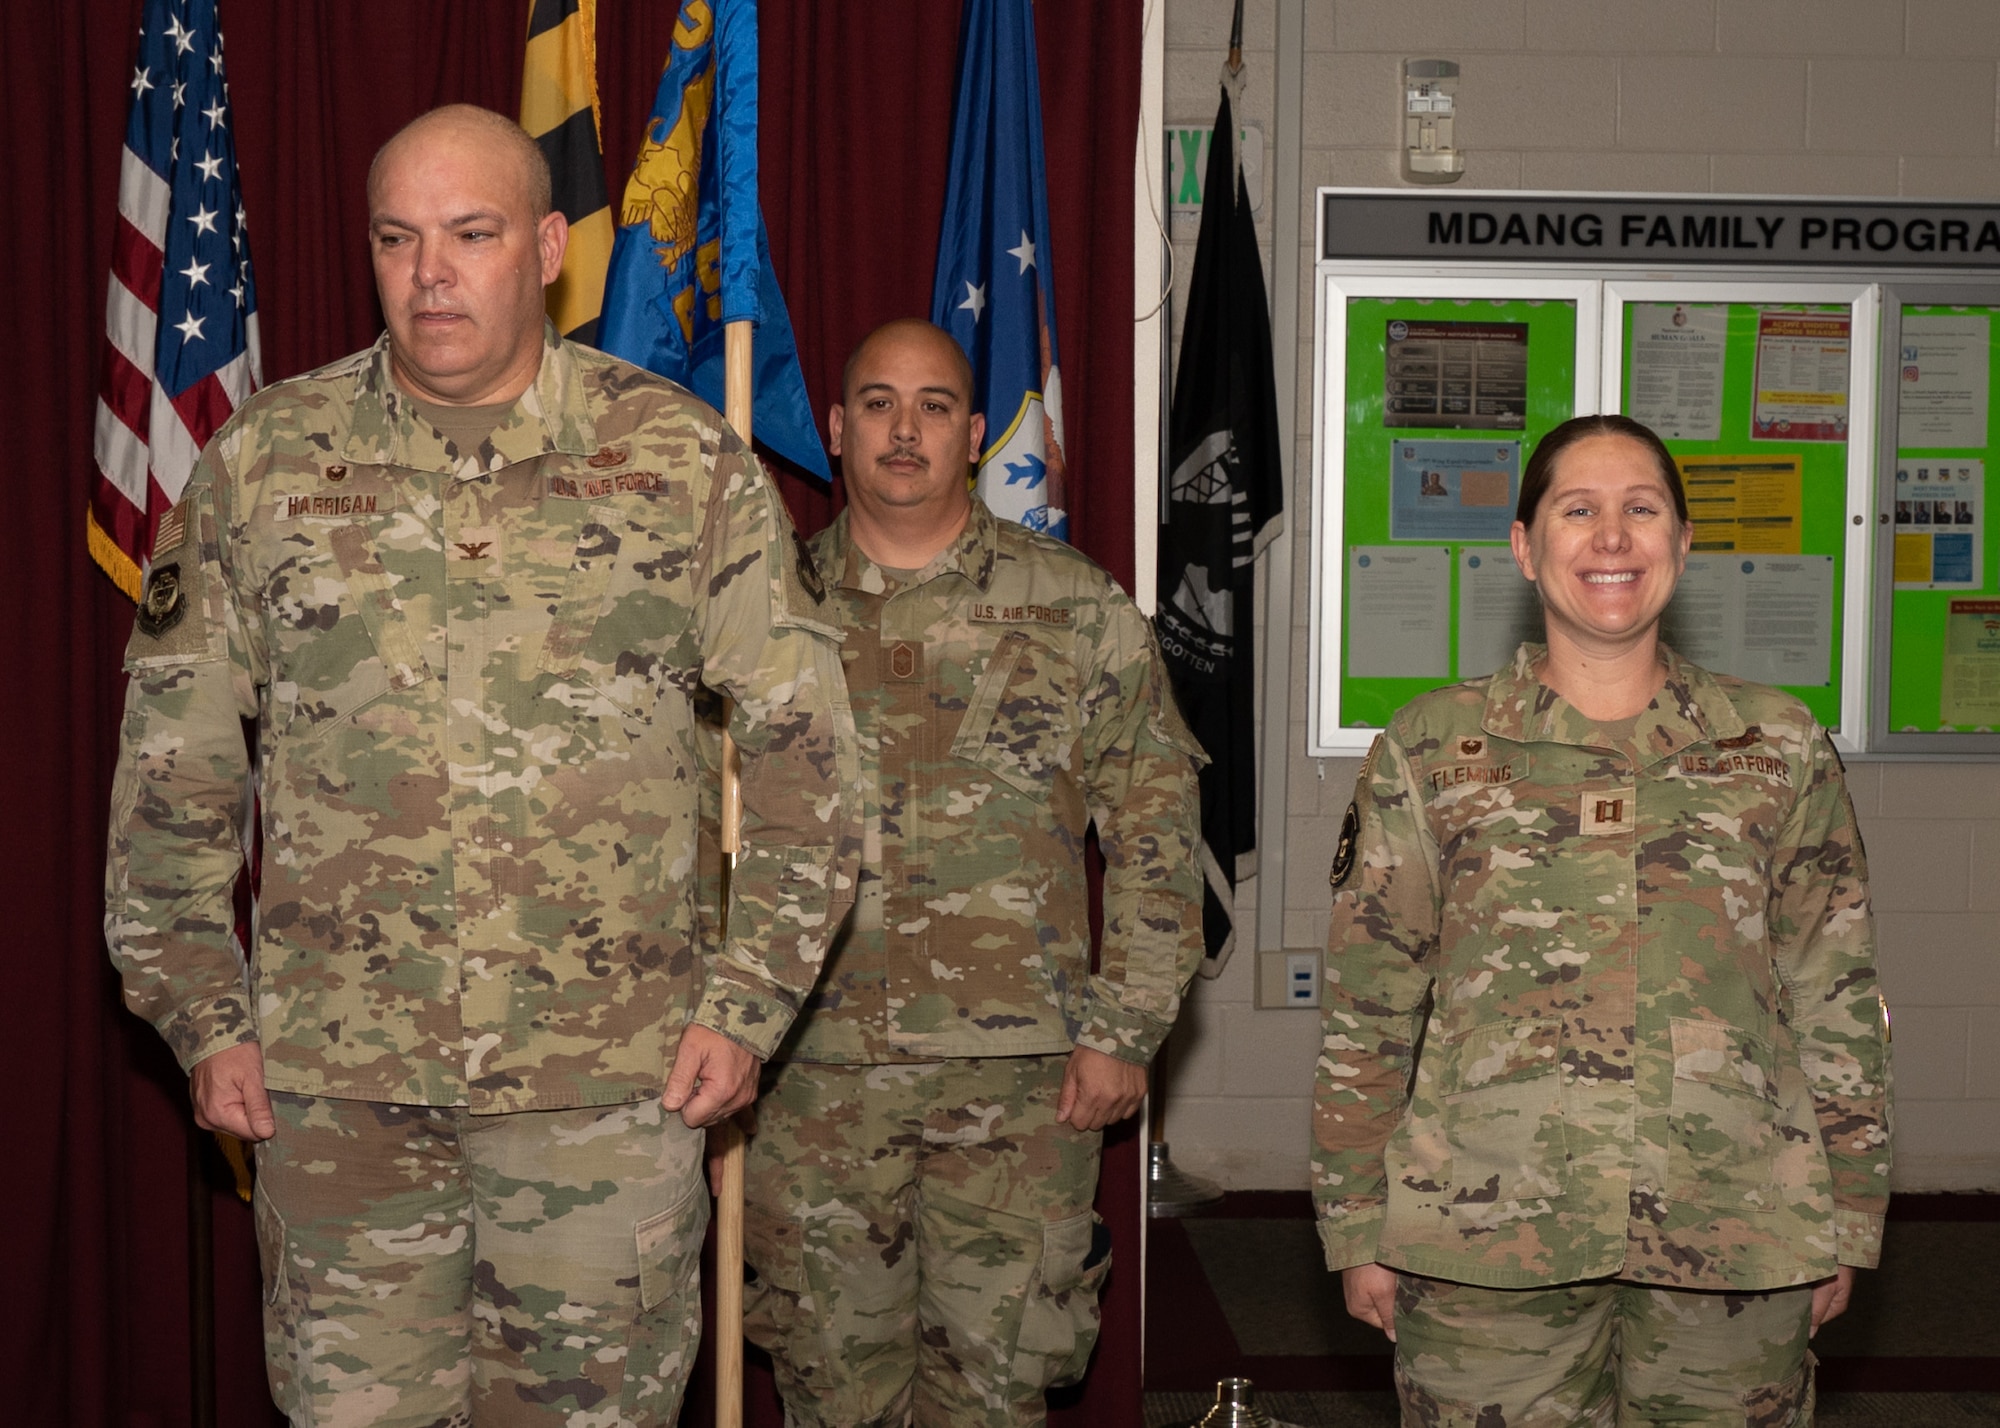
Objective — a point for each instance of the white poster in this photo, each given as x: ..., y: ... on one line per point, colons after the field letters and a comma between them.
x: 1801, y: 383
x: 1399, y: 612
x: 1498, y: 608
x: 1943, y: 391
x: 1767, y: 618
x: 1676, y: 368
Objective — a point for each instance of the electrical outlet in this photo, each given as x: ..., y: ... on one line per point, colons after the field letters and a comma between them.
x: 1288, y: 979
x: 1302, y: 979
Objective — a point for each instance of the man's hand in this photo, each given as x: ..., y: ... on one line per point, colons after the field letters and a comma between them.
x: 712, y: 1077
x: 1098, y: 1090
x: 1370, y: 1292
x: 1830, y: 1297
x: 228, y: 1093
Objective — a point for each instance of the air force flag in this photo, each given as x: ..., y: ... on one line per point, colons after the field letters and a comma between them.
x: 994, y: 289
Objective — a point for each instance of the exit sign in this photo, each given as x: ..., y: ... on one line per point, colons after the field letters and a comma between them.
x: 1187, y: 166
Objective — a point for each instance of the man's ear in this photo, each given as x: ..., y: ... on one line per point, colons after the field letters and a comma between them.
x: 552, y: 238
x: 978, y: 436
x: 836, y: 421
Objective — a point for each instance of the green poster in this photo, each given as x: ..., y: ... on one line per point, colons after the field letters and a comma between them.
x: 1752, y: 400
x: 1445, y: 398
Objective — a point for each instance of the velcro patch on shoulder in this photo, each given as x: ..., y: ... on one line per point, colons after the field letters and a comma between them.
x: 179, y: 618
x: 172, y: 531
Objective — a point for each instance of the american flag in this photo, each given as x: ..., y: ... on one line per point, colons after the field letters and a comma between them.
x: 181, y: 316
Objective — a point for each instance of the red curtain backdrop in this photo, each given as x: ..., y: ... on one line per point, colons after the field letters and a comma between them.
x: 855, y: 126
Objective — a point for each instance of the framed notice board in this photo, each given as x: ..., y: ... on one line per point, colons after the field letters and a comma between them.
x: 1439, y: 387
x: 1937, y: 617
x: 1765, y: 394
x: 1825, y: 371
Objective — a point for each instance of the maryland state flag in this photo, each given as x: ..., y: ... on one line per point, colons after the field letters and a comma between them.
x: 1225, y: 500
x: 559, y: 107
x: 691, y: 254
x: 994, y: 290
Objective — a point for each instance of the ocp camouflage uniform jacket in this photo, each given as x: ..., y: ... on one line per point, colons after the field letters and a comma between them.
x: 1654, y: 1047
x: 471, y: 676
x: 1007, y: 697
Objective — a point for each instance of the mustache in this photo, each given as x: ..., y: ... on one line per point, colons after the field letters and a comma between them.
x: 904, y: 453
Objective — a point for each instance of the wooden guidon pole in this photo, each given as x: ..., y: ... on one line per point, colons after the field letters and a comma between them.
x: 736, y: 402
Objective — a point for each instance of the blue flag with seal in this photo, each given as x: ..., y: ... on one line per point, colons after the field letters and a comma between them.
x: 691, y: 253
x: 994, y: 289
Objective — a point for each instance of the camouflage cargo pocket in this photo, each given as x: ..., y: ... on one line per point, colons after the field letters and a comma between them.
x: 774, y: 1278
x: 1500, y: 1086
x: 282, y: 1366
x: 1060, y: 1317
x: 1725, y: 1117
x: 666, y: 1332
x: 1020, y: 723
x: 1791, y: 1404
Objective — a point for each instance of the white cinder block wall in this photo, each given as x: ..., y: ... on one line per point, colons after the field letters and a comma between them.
x: 1848, y: 97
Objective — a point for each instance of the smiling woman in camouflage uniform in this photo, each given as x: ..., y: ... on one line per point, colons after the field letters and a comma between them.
x: 1601, y: 1117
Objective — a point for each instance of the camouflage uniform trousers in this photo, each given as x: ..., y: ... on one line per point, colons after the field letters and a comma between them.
x: 922, y: 1242
x: 426, y: 1266
x: 1601, y: 1353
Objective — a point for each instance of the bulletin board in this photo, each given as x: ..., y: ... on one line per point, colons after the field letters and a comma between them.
x: 1938, y: 623
x: 1825, y: 371
x: 1445, y: 386
x: 1757, y: 389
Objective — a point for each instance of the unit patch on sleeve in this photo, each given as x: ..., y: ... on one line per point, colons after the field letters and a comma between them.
x: 1343, y: 851
x: 809, y: 576
x: 164, y: 602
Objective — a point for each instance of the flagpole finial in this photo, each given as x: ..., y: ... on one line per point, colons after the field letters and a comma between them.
x: 1236, y: 40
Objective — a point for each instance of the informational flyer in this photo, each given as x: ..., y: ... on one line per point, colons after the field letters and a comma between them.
x: 1801, y: 386
x: 1498, y: 608
x: 1457, y: 374
x: 1942, y: 397
x: 1399, y: 612
x: 1745, y: 503
x: 1971, y: 692
x: 1675, y: 363
x: 1767, y: 618
x: 1453, y: 490
x: 1940, y: 524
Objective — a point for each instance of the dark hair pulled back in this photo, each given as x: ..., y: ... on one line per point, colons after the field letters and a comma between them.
x: 1542, y: 464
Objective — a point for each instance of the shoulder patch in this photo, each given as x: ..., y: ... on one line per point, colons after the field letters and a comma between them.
x: 1343, y: 851
x: 171, y: 533
x: 163, y: 604
x: 808, y: 569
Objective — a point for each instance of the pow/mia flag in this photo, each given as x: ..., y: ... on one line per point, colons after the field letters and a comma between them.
x: 1225, y: 500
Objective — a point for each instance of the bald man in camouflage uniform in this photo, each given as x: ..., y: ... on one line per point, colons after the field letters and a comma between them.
x: 469, y: 584
x: 921, y: 1180
x: 1654, y: 1055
